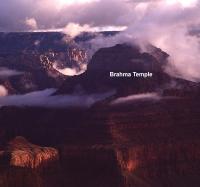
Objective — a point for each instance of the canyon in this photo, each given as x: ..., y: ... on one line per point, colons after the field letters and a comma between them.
x: 140, y: 144
x: 152, y: 142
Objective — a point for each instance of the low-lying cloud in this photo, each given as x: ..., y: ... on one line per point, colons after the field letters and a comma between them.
x: 46, y: 99
x: 5, y: 72
x: 136, y: 97
x: 71, y: 71
x: 3, y: 91
x: 75, y: 29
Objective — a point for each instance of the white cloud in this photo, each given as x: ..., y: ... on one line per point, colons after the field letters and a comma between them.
x: 5, y: 72
x: 31, y: 23
x: 136, y: 97
x: 3, y: 91
x: 71, y: 71
x: 165, y: 25
x: 74, y: 29
x: 63, y: 3
x: 20, y: 15
x: 183, y: 3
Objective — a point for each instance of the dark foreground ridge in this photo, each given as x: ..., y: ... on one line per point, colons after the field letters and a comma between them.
x: 140, y: 144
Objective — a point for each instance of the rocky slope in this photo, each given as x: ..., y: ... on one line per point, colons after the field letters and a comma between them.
x: 37, y: 57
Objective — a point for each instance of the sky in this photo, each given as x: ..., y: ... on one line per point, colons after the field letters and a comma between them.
x: 23, y: 15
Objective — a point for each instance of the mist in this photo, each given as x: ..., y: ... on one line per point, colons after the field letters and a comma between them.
x: 166, y: 25
x: 71, y: 71
x: 136, y: 97
x: 45, y: 99
x: 3, y: 91
x: 5, y: 72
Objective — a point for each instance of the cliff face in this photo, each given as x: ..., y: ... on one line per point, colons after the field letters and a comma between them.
x: 160, y: 164
x: 157, y: 144
x: 25, y: 154
x: 127, y: 58
x: 21, y: 153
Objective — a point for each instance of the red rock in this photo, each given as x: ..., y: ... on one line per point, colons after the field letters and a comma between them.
x: 24, y: 154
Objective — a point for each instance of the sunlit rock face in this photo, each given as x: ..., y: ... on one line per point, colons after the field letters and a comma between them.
x: 21, y: 153
x: 24, y: 164
x: 159, y: 160
x: 73, y: 58
x: 38, y: 57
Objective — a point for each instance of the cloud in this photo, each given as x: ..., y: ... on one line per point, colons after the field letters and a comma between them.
x: 45, y: 99
x: 31, y: 23
x: 168, y: 28
x: 74, y: 29
x: 3, y: 91
x: 71, y: 71
x: 166, y: 24
x: 5, y: 72
x: 20, y: 15
x: 136, y: 97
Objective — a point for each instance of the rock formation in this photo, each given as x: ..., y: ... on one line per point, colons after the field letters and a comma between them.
x: 120, y: 58
x: 21, y: 153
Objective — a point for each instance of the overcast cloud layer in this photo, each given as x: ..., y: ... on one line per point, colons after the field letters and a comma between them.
x: 20, y: 15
